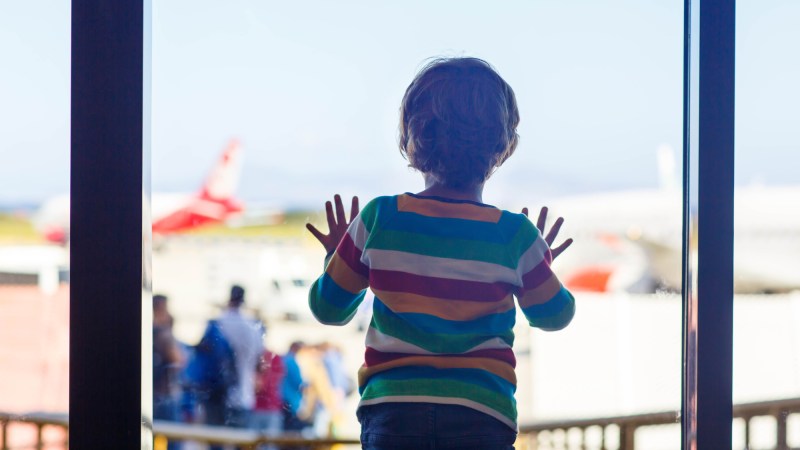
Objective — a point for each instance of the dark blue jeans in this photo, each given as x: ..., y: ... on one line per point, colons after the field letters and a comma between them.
x: 166, y: 408
x: 430, y: 426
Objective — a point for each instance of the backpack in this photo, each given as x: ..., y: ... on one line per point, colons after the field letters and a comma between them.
x: 211, y: 373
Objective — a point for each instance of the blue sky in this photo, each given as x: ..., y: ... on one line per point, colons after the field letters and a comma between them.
x: 312, y: 88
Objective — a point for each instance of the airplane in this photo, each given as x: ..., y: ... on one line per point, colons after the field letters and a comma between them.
x: 630, y: 241
x: 170, y: 213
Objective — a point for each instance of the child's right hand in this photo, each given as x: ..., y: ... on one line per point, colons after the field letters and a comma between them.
x: 551, y: 236
x: 337, y: 224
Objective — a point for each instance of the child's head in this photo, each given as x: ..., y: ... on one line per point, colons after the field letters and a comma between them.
x: 458, y: 121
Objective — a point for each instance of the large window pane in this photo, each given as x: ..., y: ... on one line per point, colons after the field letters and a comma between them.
x: 311, y: 91
x: 767, y: 248
x: 34, y: 213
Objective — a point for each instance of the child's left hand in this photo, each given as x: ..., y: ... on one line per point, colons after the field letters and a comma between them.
x: 551, y: 236
x: 337, y: 224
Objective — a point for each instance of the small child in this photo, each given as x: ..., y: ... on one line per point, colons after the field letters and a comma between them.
x: 444, y: 268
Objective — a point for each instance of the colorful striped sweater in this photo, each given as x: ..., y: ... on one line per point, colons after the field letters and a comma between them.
x: 444, y: 273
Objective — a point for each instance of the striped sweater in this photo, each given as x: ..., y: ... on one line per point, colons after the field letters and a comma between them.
x: 444, y: 273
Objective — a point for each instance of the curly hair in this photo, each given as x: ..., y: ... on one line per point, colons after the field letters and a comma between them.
x: 458, y: 121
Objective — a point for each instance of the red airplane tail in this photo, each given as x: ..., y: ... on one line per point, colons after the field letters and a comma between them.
x: 215, y: 202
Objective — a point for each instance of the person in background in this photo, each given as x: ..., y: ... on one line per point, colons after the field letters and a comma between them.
x: 168, y: 360
x: 268, y: 412
x: 245, y: 336
x: 319, y: 400
x: 341, y: 384
x: 293, y: 389
x: 209, y: 380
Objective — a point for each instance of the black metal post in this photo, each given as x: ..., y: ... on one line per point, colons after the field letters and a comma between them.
x: 106, y: 226
x: 715, y: 224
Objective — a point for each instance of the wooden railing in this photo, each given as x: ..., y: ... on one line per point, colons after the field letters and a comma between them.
x: 604, y: 433
x: 163, y: 432
x: 244, y: 439
x: 619, y: 433
x: 39, y: 421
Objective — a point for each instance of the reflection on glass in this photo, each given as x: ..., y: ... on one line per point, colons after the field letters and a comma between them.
x: 310, y: 95
x: 691, y: 91
x: 767, y: 222
x: 34, y: 217
x: 148, y: 337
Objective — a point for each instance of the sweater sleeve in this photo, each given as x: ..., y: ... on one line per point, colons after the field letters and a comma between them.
x: 334, y: 297
x: 544, y: 301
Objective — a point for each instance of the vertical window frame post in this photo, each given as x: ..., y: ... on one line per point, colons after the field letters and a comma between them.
x: 106, y: 227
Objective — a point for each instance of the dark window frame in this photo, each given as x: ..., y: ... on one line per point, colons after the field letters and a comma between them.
x: 107, y: 249
x: 707, y: 400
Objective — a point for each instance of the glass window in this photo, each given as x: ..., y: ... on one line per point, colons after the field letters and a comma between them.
x: 767, y: 222
x: 289, y: 104
x: 34, y: 214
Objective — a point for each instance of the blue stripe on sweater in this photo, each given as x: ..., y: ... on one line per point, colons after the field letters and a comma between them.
x: 477, y: 377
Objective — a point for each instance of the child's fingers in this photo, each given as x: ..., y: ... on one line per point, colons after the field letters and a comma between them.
x: 354, y: 208
x: 525, y: 211
x: 551, y: 236
x: 329, y: 215
x: 560, y: 249
x: 542, y: 220
x: 340, y: 218
x: 317, y: 234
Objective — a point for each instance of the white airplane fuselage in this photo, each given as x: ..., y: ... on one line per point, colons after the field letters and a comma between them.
x: 636, y: 238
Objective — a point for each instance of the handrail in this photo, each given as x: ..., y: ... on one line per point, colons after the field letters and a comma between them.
x: 627, y: 425
x: 779, y: 409
x: 243, y: 438
x: 645, y: 419
x: 39, y: 420
x: 247, y: 439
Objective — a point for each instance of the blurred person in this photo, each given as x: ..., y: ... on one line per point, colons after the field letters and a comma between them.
x: 220, y: 377
x: 188, y: 404
x: 293, y: 390
x: 268, y: 412
x: 209, y: 378
x: 168, y: 361
x: 319, y: 400
x: 245, y: 336
x: 341, y: 385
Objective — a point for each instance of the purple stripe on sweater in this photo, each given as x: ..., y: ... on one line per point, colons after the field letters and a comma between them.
x: 351, y: 255
x: 536, y: 276
x: 443, y: 288
x: 374, y: 357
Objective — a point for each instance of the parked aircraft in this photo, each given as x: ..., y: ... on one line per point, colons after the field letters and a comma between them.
x: 631, y: 240
x: 213, y: 203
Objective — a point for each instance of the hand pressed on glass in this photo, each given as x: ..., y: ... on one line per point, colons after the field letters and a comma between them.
x: 551, y: 236
x: 337, y: 223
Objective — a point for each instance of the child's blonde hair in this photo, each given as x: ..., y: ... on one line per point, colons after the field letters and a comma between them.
x: 458, y: 121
